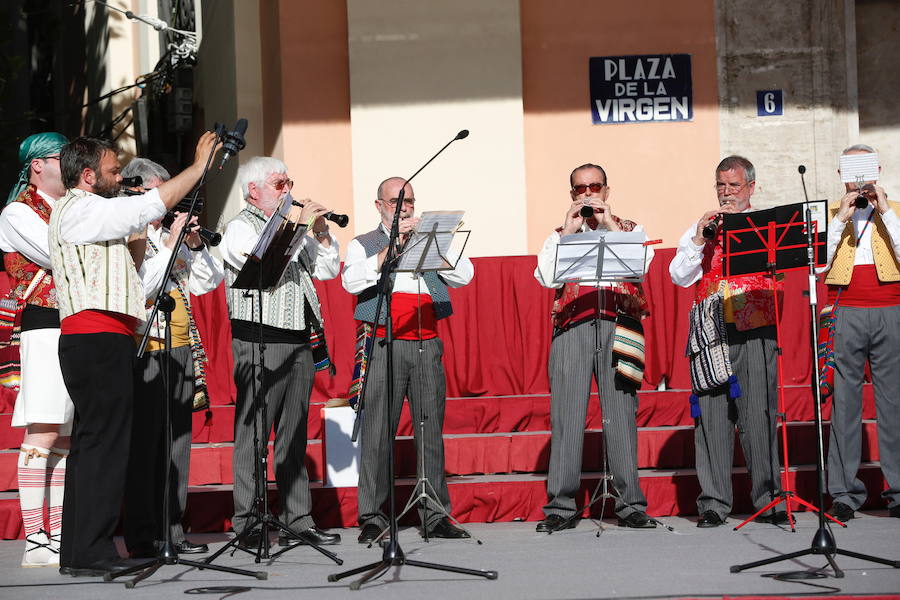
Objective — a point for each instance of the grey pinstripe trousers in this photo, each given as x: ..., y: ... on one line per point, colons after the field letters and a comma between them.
x: 753, y: 358
x: 419, y: 376
x: 860, y: 334
x: 571, y: 369
x: 289, y: 379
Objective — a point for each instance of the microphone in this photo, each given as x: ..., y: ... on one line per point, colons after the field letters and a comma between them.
x: 157, y: 24
x: 132, y: 182
x: 461, y: 136
x: 233, y: 141
x: 801, y: 169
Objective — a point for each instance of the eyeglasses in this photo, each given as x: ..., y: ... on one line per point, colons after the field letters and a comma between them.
x: 582, y: 188
x: 281, y: 184
x: 393, y: 201
x: 730, y: 187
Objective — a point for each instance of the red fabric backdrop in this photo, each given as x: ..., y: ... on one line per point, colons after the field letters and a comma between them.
x: 498, y: 340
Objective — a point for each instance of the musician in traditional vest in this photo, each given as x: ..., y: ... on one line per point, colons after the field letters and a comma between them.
x: 749, y: 314
x: 864, y: 285
x: 417, y: 304
x: 43, y: 406
x: 291, y: 320
x: 195, y: 272
x: 577, y: 311
x: 101, y: 302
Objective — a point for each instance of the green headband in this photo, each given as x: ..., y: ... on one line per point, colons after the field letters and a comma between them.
x: 35, y: 146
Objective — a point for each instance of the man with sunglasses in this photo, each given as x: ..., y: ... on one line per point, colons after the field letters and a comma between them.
x: 291, y: 318
x: 749, y: 308
x: 578, y: 310
x: 417, y: 303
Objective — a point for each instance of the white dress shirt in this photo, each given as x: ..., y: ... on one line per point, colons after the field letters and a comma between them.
x: 361, y: 272
x: 23, y: 231
x: 240, y: 238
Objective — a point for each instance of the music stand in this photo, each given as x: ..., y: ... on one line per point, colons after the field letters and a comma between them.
x: 263, y: 269
x: 393, y: 555
x: 593, y: 257
x: 768, y: 242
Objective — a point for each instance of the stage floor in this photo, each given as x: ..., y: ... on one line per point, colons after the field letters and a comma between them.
x: 621, y: 563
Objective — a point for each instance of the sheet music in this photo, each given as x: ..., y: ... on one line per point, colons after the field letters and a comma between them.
x: 271, y: 228
x: 445, y: 223
x: 623, y: 257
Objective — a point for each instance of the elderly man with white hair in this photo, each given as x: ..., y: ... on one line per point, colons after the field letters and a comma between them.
x: 290, y: 316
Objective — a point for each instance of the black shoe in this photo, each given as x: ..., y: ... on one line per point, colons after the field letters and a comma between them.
x: 188, y: 547
x: 637, y: 520
x: 841, y: 512
x: 894, y: 512
x: 776, y: 518
x: 554, y: 523
x: 100, y: 567
x: 251, y: 541
x: 446, y: 529
x: 369, y: 533
x: 313, y: 535
x: 710, y: 518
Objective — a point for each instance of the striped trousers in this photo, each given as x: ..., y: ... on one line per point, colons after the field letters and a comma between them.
x: 288, y: 380
x: 418, y: 376
x: 572, y: 366
x: 863, y: 334
x: 753, y: 359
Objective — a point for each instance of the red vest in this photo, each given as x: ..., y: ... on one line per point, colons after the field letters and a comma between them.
x: 20, y: 269
x: 748, y: 299
x: 574, y: 303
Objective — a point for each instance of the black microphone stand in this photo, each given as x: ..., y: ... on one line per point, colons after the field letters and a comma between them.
x: 167, y: 554
x: 393, y: 555
x: 823, y: 541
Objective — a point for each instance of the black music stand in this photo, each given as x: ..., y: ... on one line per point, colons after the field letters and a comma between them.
x: 823, y: 542
x: 591, y: 258
x: 768, y: 242
x: 263, y: 270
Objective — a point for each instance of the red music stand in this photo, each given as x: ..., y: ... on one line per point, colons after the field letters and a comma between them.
x: 769, y: 242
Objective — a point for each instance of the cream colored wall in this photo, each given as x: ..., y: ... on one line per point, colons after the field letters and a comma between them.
x: 420, y: 71
x: 660, y: 174
x: 121, y: 63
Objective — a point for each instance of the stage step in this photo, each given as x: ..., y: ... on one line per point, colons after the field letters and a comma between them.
x: 484, y: 498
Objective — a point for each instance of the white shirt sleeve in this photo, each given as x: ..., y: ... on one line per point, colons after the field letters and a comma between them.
x: 98, y: 219
x: 461, y: 275
x: 206, y: 272
x: 238, y: 241
x: 360, y: 271
x: 686, y: 267
x: 546, y: 262
x: 153, y: 270
x: 327, y: 260
x: 23, y: 231
x: 892, y: 224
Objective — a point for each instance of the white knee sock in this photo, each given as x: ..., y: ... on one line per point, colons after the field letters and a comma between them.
x: 32, y: 474
x: 56, y: 485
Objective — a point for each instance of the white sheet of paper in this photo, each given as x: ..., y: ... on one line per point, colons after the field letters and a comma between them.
x: 445, y: 222
x: 624, y: 256
x: 859, y: 166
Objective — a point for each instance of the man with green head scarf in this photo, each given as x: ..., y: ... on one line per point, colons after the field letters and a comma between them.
x: 43, y: 406
x: 38, y: 146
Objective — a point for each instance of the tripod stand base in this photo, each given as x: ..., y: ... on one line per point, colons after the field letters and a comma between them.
x: 823, y: 544
x: 394, y: 557
x: 150, y: 567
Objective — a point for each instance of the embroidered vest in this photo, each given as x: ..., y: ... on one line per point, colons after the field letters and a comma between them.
x: 22, y: 270
x: 748, y: 300
x: 96, y: 276
x: 367, y: 300
x: 621, y: 296
x: 886, y: 264
x: 283, y: 305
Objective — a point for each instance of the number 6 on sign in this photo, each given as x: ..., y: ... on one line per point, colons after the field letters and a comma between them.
x: 769, y: 103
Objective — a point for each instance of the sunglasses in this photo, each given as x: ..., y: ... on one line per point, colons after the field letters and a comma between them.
x: 280, y: 185
x: 582, y: 188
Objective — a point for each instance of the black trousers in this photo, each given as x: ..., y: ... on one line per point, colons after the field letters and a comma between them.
x: 145, y: 483
x: 97, y: 369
